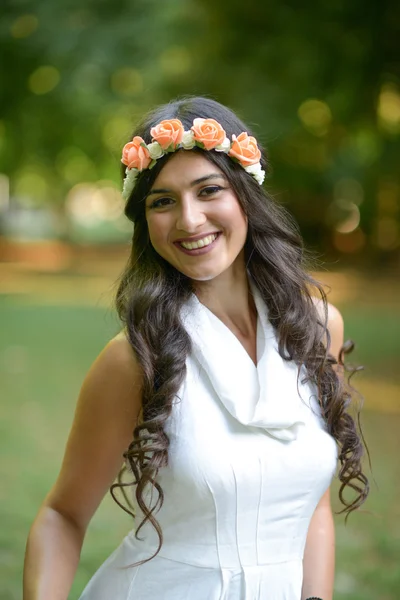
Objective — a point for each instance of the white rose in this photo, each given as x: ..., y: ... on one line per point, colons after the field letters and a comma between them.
x: 257, y: 172
x: 129, y: 182
x: 253, y: 169
x: 188, y: 141
x: 259, y: 177
x: 155, y: 150
x: 224, y: 147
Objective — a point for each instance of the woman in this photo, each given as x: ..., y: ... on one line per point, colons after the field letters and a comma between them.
x: 226, y: 372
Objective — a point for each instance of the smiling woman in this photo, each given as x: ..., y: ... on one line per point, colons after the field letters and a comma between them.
x: 224, y: 392
x: 192, y: 212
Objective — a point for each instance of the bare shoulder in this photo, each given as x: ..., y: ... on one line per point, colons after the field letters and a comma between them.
x: 115, y: 372
x: 334, y: 314
x: 118, y: 358
x: 335, y: 324
x: 113, y: 385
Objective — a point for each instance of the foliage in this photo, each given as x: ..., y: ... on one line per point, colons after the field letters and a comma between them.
x: 320, y: 83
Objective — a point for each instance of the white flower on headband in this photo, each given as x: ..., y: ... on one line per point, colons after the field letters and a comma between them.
x: 129, y: 182
x: 224, y: 147
x: 188, y: 141
x: 155, y: 150
x: 257, y: 172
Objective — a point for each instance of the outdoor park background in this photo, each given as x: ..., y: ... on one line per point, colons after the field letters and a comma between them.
x: 320, y: 85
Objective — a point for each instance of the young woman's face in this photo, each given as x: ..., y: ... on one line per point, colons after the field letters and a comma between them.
x: 194, y: 218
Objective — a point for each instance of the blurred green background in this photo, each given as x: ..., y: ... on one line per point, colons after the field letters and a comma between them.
x: 320, y: 85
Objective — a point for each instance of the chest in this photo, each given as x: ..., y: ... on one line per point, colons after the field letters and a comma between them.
x: 249, y: 344
x: 211, y: 449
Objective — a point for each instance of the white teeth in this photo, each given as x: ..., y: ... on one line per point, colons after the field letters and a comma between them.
x: 200, y: 243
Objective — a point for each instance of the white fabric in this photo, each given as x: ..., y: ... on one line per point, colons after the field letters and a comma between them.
x: 249, y: 460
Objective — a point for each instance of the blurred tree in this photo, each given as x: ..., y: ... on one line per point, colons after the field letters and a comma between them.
x: 320, y: 84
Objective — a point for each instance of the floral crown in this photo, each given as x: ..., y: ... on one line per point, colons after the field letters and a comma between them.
x: 170, y: 135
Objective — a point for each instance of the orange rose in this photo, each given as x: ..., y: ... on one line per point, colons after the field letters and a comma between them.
x: 209, y: 132
x: 244, y: 148
x: 168, y: 132
x: 134, y: 155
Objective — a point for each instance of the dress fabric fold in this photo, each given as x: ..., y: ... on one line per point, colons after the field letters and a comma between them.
x: 249, y: 460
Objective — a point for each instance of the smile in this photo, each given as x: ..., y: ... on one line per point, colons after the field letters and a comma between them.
x: 206, y: 241
x: 202, y: 246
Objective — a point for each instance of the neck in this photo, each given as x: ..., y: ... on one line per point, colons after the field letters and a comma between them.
x: 229, y: 297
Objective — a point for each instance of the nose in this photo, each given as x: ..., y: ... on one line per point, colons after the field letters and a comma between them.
x: 190, y: 216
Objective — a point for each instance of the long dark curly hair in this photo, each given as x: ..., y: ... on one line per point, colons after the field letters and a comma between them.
x: 151, y: 293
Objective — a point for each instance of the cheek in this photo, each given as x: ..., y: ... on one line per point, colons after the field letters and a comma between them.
x: 235, y: 219
x: 157, y: 230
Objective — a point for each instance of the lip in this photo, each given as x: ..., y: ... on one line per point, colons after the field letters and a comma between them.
x: 195, y: 238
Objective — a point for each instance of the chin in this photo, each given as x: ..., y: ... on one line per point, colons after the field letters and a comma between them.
x: 203, y: 278
x: 205, y: 274
x: 199, y: 276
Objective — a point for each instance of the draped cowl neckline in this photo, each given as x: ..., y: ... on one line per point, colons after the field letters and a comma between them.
x: 265, y: 395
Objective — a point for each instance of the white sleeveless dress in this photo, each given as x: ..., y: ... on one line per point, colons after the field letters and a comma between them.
x: 249, y: 460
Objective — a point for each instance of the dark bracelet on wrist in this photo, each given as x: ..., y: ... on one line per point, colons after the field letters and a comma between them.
x: 313, y: 598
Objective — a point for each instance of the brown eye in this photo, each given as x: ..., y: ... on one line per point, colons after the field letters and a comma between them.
x: 211, y: 189
x: 160, y: 203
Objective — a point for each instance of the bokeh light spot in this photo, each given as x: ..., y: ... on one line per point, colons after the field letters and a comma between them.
x: 74, y: 165
x: 115, y: 131
x: 389, y: 108
x: 352, y: 221
x: 389, y: 197
x: 127, y: 82
x: 367, y: 145
x: 31, y: 187
x: 4, y: 192
x: 343, y: 215
x: 89, y: 204
x: 24, y: 26
x: 44, y: 80
x: 315, y: 115
x: 350, y: 242
x: 349, y: 189
x: 175, y: 61
x: 387, y: 233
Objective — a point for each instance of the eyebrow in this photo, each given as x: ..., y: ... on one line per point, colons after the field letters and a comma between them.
x: 193, y: 183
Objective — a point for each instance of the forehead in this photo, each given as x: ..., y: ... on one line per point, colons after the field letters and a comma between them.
x: 184, y: 167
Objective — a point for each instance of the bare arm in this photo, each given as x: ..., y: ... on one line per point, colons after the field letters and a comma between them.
x: 106, y: 414
x: 319, y: 554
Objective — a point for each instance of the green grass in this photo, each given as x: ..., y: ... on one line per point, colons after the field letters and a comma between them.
x: 376, y: 334
x: 368, y: 546
x: 44, y: 355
